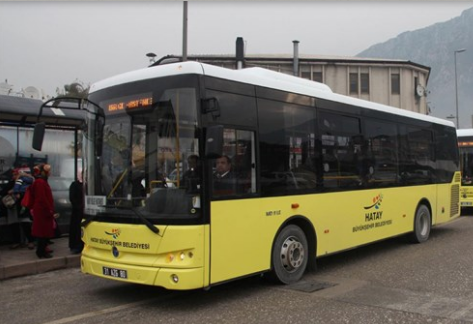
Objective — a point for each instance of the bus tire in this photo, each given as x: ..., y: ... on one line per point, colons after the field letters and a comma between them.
x: 290, y: 255
x: 422, y: 225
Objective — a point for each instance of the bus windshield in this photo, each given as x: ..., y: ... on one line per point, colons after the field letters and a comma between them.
x: 466, y: 164
x: 149, y: 161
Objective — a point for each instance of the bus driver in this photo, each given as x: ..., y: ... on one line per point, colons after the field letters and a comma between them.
x: 223, y: 178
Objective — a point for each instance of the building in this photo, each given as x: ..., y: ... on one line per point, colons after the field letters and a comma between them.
x: 398, y: 83
x: 30, y: 92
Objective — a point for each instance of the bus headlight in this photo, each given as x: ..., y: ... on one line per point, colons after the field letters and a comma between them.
x: 174, y: 278
x: 170, y: 257
x: 179, y: 256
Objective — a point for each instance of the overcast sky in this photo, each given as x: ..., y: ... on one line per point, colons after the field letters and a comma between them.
x: 49, y: 44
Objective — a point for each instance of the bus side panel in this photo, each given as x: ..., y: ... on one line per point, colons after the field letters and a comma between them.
x: 448, y: 202
x: 241, y: 236
x: 351, y: 219
x: 243, y: 231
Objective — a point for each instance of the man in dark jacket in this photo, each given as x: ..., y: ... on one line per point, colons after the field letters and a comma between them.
x: 224, y: 182
x: 76, y: 196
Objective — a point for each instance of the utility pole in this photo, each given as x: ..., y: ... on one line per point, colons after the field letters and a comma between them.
x: 296, y: 57
x: 456, y: 86
x: 184, y: 33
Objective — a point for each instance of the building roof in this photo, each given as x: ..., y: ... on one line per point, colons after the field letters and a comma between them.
x: 303, y: 58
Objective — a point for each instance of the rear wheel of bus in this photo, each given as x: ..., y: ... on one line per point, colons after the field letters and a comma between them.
x: 422, y: 225
x: 290, y: 255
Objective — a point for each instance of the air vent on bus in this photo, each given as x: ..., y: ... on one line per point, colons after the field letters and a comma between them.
x: 455, y: 200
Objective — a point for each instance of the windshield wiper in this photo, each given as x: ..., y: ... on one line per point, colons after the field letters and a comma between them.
x: 145, y: 221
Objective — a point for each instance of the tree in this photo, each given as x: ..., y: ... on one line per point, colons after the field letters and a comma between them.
x: 75, y: 89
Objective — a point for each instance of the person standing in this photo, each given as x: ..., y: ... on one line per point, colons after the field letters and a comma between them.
x: 10, y: 211
x: 76, y: 196
x: 23, y: 181
x: 42, y: 209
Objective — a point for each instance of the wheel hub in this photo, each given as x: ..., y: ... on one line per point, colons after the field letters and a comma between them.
x: 292, y: 254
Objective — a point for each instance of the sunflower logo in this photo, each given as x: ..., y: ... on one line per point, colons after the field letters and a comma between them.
x: 115, y: 233
x: 376, y: 202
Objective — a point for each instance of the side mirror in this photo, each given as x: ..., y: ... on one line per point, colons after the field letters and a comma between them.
x: 214, y: 142
x: 38, y: 136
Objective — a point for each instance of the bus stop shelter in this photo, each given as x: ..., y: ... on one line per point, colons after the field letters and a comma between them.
x: 18, y: 111
x: 18, y: 116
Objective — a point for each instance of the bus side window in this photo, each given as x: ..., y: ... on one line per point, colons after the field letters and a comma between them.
x: 383, y: 146
x: 289, y: 150
x: 341, y: 151
x: 239, y: 148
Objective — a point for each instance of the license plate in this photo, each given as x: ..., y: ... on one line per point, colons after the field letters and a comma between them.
x: 466, y: 203
x: 116, y: 273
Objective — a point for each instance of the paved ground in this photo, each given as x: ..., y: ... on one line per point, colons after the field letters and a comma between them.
x: 22, y: 261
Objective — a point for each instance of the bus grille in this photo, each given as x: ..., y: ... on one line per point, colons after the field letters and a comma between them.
x: 455, y: 200
x: 457, y: 177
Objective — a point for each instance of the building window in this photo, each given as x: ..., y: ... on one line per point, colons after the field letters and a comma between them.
x: 317, y: 76
x: 305, y: 75
x: 395, y: 83
x: 353, y: 83
x: 365, y: 83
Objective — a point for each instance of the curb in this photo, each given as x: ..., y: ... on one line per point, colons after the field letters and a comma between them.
x: 39, y: 266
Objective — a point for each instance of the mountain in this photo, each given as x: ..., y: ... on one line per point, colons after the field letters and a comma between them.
x: 434, y: 46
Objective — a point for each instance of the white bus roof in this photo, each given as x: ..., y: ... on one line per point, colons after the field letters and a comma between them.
x: 464, y: 132
x: 261, y: 77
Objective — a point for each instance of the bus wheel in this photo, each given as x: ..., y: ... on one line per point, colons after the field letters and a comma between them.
x: 422, y: 225
x: 290, y: 255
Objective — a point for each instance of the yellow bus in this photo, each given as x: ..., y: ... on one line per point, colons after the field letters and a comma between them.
x: 465, y: 146
x: 310, y: 173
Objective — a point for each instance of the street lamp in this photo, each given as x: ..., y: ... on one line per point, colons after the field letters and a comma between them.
x: 152, y: 57
x: 456, y: 87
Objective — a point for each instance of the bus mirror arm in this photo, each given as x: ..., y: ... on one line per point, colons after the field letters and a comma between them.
x: 64, y: 103
x: 214, y: 142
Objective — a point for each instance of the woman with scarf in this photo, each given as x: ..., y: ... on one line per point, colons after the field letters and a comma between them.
x: 42, y: 209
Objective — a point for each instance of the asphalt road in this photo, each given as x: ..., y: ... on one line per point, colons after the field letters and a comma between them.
x: 388, y: 282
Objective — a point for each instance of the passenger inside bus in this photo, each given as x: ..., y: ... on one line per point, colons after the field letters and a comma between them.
x: 224, y: 182
x: 192, y: 177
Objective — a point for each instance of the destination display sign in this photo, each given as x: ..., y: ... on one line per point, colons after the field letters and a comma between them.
x: 463, y: 143
x: 125, y: 104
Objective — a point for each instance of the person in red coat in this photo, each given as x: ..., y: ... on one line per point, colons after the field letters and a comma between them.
x: 42, y: 207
